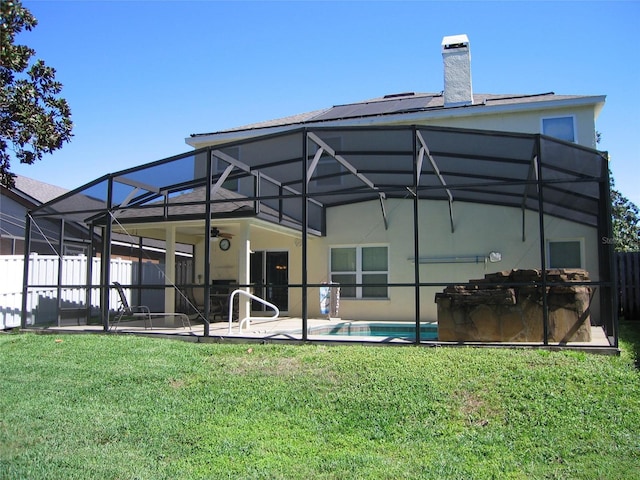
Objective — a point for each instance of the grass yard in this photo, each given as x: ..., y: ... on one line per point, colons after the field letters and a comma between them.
x: 125, y: 407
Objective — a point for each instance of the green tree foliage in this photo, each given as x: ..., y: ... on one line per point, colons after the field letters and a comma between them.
x: 33, y: 119
x: 626, y: 222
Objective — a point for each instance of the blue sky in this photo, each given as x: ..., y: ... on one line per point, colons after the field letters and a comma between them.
x: 141, y: 76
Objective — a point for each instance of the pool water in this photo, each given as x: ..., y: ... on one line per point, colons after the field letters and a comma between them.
x: 428, y: 331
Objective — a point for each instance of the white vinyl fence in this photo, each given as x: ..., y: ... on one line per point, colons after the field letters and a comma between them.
x: 43, y: 270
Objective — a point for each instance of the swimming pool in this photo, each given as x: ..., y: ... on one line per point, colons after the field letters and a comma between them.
x: 406, y: 330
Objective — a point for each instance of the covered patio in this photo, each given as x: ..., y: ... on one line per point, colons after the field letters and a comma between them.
x: 271, y: 215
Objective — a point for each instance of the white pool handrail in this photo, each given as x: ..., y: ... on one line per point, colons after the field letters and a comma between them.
x: 249, y: 318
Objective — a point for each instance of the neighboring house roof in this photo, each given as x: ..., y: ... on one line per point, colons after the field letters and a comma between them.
x: 36, y: 191
x: 411, y: 106
x: 26, y: 195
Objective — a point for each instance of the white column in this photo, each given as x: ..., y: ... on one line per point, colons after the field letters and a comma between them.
x: 244, y: 257
x: 170, y: 269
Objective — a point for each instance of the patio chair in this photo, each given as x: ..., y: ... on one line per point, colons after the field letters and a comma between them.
x: 197, y: 299
x: 141, y: 311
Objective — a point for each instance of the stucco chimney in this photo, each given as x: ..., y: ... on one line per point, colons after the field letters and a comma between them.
x: 456, y: 56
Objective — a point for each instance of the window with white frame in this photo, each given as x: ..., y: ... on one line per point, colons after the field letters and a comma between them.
x: 565, y: 253
x: 560, y: 127
x: 367, y: 266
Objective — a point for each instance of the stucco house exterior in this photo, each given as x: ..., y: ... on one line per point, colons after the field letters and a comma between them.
x: 393, y: 198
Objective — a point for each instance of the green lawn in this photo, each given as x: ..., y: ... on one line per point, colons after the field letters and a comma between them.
x: 125, y: 407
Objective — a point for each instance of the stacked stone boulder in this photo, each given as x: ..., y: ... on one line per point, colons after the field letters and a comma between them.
x: 508, y: 307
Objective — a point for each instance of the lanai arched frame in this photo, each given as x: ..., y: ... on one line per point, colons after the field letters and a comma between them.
x: 290, y: 179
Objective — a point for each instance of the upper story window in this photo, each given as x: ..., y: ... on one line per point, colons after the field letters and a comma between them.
x: 563, y: 128
x: 565, y: 253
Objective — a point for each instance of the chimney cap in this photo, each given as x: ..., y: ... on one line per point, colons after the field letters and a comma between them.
x: 455, y: 41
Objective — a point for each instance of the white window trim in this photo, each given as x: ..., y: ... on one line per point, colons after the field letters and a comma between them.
x: 359, y: 272
x: 573, y: 120
x: 564, y: 239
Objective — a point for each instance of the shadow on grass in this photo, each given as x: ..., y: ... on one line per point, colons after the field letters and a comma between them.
x: 630, y: 339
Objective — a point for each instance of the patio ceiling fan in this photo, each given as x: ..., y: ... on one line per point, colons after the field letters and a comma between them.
x: 217, y: 233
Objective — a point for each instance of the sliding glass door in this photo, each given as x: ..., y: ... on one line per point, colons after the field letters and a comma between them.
x: 270, y: 276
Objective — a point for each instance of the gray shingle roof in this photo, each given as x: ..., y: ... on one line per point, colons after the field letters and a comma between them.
x: 395, y: 104
x: 37, y: 190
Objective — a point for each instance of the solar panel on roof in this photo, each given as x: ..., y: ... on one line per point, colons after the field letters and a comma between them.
x: 401, y: 104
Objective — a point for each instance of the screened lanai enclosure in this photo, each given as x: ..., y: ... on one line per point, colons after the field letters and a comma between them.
x: 405, y: 234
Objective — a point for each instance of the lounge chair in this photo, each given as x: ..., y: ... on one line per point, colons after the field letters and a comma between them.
x: 141, y: 311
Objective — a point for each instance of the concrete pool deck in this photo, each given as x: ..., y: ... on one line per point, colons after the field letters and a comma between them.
x: 289, y: 329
